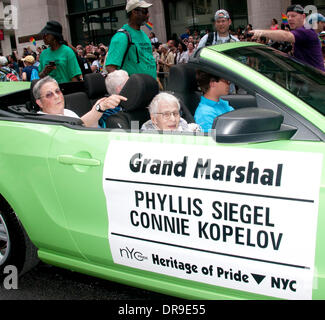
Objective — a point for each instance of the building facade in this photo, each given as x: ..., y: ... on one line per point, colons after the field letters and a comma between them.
x: 96, y: 21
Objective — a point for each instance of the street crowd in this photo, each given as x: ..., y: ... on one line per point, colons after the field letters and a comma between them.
x: 133, y: 52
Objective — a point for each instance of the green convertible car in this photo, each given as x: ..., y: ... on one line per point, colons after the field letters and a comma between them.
x: 236, y: 213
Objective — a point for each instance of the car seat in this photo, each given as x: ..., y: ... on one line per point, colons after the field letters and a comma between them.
x: 182, y: 82
x: 95, y: 86
x: 140, y: 89
x: 78, y: 102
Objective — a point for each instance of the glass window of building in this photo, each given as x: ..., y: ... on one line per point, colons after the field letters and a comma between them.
x: 95, y: 21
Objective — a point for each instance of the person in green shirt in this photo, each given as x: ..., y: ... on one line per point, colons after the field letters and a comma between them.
x: 139, y: 58
x: 58, y: 60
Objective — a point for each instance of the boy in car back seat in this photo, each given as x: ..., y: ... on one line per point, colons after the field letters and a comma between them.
x: 211, y: 106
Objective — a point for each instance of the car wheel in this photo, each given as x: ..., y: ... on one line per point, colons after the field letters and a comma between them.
x: 15, y: 247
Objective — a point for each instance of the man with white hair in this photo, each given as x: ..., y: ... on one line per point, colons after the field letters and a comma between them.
x: 165, y: 115
x: 6, y: 73
x: 114, y: 82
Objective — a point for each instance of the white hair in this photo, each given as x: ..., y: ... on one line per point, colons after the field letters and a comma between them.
x: 3, y: 61
x: 163, y: 96
x: 39, y: 84
x: 115, y: 80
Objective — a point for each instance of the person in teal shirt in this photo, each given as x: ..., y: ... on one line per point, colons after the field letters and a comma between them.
x: 211, y: 105
x: 59, y: 60
x: 139, y: 58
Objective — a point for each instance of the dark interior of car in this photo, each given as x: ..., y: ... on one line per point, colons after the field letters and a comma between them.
x: 139, y: 89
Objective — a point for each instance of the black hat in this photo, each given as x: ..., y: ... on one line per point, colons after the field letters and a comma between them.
x: 296, y: 8
x: 54, y: 28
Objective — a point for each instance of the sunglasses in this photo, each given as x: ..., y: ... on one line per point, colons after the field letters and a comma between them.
x: 142, y: 10
x: 50, y: 94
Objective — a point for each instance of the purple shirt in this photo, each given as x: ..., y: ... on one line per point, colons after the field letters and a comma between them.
x: 307, y: 47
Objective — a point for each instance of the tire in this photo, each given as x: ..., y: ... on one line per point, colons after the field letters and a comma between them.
x: 15, y: 247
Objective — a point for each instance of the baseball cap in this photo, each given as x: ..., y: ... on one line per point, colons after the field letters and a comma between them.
x: 29, y: 59
x: 322, y: 34
x: 133, y: 4
x: 296, y: 8
x: 222, y: 13
x: 317, y: 17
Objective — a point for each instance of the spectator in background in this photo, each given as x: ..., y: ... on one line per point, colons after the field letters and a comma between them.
x: 307, y: 46
x: 190, y: 49
x: 12, y: 63
x: 221, y: 35
x: 58, y: 60
x: 196, y: 37
x: 247, y: 30
x: 317, y: 22
x: 36, y: 64
x: 139, y: 59
x: 322, y: 38
x: 7, y: 74
x: 93, y: 62
x: 182, y: 54
x: 28, y: 71
x: 186, y: 34
x: 167, y: 58
x: 153, y: 39
x: 274, y: 24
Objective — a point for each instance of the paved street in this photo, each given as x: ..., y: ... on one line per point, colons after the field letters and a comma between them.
x: 50, y: 283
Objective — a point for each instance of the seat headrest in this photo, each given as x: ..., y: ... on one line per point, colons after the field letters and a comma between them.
x: 34, y: 105
x: 140, y: 89
x: 95, y: 85
x: 182, y: 78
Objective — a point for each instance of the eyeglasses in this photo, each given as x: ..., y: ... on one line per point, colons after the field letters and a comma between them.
x: 167, y: 115
x: 50, y: 94
x: 142, y: 10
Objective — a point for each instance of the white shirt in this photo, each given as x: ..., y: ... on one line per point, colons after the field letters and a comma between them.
x: 66, y: 112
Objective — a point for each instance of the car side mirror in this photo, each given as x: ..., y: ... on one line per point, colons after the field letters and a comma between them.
x: 251, y: 125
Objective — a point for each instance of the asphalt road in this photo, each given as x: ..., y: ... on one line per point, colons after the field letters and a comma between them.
x: 46, y: 282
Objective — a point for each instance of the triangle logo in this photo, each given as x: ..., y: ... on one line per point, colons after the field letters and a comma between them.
x: 258, y: 277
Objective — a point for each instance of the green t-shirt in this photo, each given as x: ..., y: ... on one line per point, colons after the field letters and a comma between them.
x: 66, y: 62
x: 142, y: 42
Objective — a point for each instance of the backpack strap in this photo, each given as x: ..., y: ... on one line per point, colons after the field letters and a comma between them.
x: 130, y: 43
x: 210, y: 39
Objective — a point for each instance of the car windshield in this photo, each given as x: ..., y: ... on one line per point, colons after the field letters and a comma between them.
x: 304, y: 82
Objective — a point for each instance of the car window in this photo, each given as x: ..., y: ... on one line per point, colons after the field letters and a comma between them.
x: 304, y: 82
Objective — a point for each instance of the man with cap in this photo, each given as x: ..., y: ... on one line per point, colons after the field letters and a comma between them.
x: 222, y: 35
x: 58, y: 60
x: 134, y: 57
x: 307, y: 46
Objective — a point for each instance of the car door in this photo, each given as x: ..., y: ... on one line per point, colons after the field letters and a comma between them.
x: 244, y: 217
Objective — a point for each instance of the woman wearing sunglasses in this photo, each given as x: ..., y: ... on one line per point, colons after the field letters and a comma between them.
x: 50, y: 99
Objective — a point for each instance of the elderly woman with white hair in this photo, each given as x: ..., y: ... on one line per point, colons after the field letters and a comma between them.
x: 50, y: 99
x: 165, y: 115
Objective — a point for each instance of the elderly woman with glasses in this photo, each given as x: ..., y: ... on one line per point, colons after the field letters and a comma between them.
x: 165, y: 115
x: 50, y: 99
